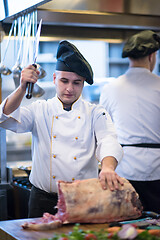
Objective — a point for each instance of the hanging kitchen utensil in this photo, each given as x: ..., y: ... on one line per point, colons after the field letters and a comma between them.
x: 16, y: 70
x: 2, y: 33
x: 3, y: 69
x: 37, y: 91
x: 42, y: 72
x: 29, y: 87
x: 26, y: 40
x: 15, y: 40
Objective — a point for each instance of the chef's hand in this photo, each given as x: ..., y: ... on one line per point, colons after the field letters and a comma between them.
x: 108, y: 176
x: 29, y: 74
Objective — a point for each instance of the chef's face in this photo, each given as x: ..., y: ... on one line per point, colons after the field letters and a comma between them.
x: 69, y: 86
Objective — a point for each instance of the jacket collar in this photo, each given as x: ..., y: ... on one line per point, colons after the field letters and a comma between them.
x: 75, y: 105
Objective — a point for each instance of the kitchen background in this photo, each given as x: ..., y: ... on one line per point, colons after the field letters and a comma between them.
x: 98, y: 28
x: 105, y: 59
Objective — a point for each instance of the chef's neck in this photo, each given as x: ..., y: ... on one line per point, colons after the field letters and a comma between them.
x: 147, y: 62
x: 140, y: 62
x: 67, y: 107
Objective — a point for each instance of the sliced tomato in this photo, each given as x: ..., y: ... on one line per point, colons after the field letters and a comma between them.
x: 64, y: 238
x: 90, y: 236
x: 110, y: 235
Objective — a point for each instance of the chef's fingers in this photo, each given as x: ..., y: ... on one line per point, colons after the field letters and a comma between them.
x: 102, y: 180
x: 29, y: 74
x: 110, y: 178
x: 120, y: 180
x: 106, y: 179
x: 112, y: 185
x: 33, y: 67
x: 115, y: 181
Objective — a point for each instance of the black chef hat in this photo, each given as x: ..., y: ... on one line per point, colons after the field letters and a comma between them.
x: 71, y: 60
x: 141, y: 44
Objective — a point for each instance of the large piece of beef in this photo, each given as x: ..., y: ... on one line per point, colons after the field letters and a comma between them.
x: 84, y: 201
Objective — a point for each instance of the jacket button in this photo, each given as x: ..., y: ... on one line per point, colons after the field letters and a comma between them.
x: 54, y: 136
x: 73, y: 179
x: 54, y: 177
x: 54, y: 155
x: 79, y: 117
x: 76, y: 138
x: 56, y: 117
x: 75, y: 158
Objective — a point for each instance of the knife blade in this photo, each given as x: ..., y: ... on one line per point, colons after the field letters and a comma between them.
x: 142, y: 222
x: 29, y: 86
x: 151, y: 214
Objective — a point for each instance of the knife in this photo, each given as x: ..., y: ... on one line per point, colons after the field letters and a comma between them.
x: 151, y: 214
x: 140, y: 222
x: 29, y: 86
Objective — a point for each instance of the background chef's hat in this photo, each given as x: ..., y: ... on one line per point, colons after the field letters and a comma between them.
x: 141, y: 44
x: 71, y: 60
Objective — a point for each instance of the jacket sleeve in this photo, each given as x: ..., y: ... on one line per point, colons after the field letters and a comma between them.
x: 104, y: 97
x: 106, y: 137
x: 21, y: 120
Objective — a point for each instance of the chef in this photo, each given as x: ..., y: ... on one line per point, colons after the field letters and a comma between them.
x: 69, y: 135
x: 133, y: 101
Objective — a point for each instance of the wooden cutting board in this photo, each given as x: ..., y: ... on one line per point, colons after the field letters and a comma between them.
x: 12, y: 230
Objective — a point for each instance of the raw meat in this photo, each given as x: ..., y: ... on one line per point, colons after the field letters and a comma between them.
x: 84, y: 201
x: 47, y: 222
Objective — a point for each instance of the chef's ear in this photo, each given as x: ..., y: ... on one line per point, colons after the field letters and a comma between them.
x: 150, y: 57
x: 54, y: 77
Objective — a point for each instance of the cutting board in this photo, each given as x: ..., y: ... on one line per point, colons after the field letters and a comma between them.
x: 12, y: 230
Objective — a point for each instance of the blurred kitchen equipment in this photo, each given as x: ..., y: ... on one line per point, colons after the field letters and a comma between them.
x: 27, y: 169
x: 36, y: 44
x: 28, y: 52
x: 16, y: 70
x: 2, y: 33
x: 15, y: 40
x: 3, y: 69
x: 38, y: 91
x: 24, y: 25
x: 17, y: 75
x: 42, y: 72
x: 27, y: 40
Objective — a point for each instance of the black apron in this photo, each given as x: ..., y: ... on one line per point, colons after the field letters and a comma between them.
x: 149, y: 191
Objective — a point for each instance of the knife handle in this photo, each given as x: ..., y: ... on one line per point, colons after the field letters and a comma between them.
x: 29, y: 87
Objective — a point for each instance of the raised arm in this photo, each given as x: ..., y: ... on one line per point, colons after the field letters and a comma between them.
x: 28, y: 74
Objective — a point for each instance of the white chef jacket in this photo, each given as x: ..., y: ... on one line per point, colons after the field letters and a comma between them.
x: 133, y: 101
x: 65, y: 144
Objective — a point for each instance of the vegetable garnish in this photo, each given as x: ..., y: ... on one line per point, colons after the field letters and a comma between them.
x: 127, y: 231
